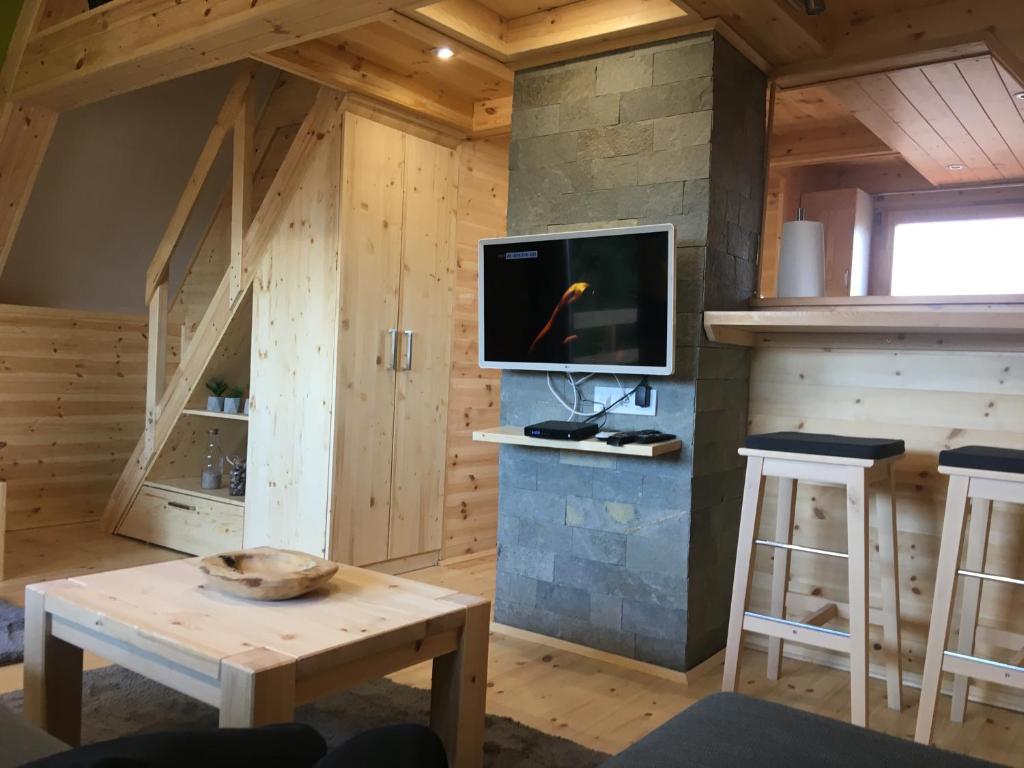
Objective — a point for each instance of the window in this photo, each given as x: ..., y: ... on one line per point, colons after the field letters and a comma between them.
x: 959, y: 257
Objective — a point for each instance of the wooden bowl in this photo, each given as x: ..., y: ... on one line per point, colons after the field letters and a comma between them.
x: 265, y: 573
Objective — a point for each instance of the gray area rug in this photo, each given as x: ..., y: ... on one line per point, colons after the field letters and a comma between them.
x: 12, y: 633
x: 117, y: 702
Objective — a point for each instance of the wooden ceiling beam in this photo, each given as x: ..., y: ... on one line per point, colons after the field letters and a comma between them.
x: 950, y: 30
x: 561, y: 31
x: 129, y: 44
x: 469, y: 22
x: 25, y: 131
x: 777, y: 31
x: 335, y: 67
x: 587, y: 20
x: 827, y: 144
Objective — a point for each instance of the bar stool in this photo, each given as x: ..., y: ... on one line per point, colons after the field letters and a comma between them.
x: 983, y: 475
x: 853, y: 462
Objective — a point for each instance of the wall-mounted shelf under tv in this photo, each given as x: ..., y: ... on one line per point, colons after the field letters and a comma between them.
x: 510, y: 435
x: 215, y: 414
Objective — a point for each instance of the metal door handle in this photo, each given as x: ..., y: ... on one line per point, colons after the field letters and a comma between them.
x: 393, y: 359
x: 408, y: 351
x: 179, y: 505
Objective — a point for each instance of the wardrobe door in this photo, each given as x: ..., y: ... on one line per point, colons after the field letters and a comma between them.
x: 421, y: 408
x: 371, y: 237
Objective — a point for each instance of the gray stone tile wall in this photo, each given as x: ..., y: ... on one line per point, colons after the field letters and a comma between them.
x: 620, y: 553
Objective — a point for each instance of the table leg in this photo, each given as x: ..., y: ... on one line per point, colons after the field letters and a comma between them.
x: 53, y: 675
x: 257, y: 688
x: 458, y: 698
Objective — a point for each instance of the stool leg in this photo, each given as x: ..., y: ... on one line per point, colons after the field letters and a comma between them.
x: 942, y: 603
x: 780, y: 568
x: 750, y: 518
x: 977, y: 545
x: 888, y: 551
x: 857, y: 545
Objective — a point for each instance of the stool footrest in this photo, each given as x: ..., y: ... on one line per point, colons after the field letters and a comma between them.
x: 990, y: 577
x: 983, y: 669
x: 800, y: 548
x: 807, y: 634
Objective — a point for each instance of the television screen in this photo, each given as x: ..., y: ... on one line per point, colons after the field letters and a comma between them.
x: 599, y: 301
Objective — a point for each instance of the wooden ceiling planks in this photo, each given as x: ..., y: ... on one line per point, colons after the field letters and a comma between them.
x: 811, y: 126
x: 954, y: 122
x: 407, y: 48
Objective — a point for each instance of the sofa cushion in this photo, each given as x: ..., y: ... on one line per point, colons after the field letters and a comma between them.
x: 21, y: 742
x: 728, y: 729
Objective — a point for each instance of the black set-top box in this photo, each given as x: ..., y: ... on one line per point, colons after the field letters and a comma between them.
x: 561, y: 430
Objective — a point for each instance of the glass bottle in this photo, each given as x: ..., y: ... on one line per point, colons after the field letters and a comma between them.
x: 213, y: 463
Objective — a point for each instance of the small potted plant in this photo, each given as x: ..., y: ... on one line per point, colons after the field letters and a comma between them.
x: 215, y: 401
x: 233, y: 400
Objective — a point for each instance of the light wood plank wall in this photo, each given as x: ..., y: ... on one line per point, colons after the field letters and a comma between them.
x: 932, y: 399
x: 471, y: 484
x: 73, y: 387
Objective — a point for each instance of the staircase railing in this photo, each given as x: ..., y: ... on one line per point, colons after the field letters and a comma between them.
x: 166, y: 398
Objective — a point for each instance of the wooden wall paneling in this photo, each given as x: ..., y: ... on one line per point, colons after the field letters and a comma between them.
x: 72, y: 408
x: 933, y: 402
x: 421, y: 402
x: 371, y: 254
x: 471, y: 482
x: 294, y: 343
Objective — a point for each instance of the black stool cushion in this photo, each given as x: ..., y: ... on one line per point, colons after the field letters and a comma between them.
x: 827, y: 445
x: 984, y: 457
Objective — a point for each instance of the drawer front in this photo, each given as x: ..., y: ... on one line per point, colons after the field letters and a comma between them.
x: 191, y: 524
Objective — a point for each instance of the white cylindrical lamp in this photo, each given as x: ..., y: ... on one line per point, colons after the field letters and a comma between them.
x: 801, y: 259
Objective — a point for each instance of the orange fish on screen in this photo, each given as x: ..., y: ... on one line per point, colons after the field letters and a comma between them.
x: 572, y: 294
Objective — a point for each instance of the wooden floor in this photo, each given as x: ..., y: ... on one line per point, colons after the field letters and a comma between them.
x: 596, y: 703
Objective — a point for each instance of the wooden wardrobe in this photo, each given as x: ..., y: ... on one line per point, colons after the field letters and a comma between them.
x: 351, y: 352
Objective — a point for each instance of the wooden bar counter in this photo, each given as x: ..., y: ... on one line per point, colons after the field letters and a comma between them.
x: 938, y: 375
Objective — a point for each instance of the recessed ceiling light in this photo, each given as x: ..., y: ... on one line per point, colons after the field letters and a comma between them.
x: 444, y: 53
x: 955, y: 167
x: 1019, y: 95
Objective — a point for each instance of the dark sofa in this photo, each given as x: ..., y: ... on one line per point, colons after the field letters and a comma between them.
x: 728, y: 729
x: 722, y: 731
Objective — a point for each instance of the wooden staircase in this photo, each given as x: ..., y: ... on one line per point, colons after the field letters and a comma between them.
x: 144, y: 504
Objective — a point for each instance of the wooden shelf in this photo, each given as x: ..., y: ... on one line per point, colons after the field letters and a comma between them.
x: 515, y: 436
x: 215, y: 414
x: 976, y: 320
x: 193, y: 487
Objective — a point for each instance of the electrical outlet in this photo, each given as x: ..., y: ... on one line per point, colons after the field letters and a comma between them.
x: 604, y: 396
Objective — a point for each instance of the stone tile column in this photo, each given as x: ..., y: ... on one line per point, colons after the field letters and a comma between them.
x: 634, y: 556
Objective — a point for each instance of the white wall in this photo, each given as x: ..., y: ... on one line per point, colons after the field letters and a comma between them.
x: 111, y: 178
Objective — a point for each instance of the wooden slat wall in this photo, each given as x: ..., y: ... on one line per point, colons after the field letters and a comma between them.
x: 72, y: 402
x: 931, y: 399
x: 471, y: 485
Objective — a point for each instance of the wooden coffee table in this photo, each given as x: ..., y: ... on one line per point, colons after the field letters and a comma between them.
x: 256, y: 661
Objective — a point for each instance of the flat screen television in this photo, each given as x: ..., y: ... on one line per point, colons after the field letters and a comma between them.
x: 600, y: 301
